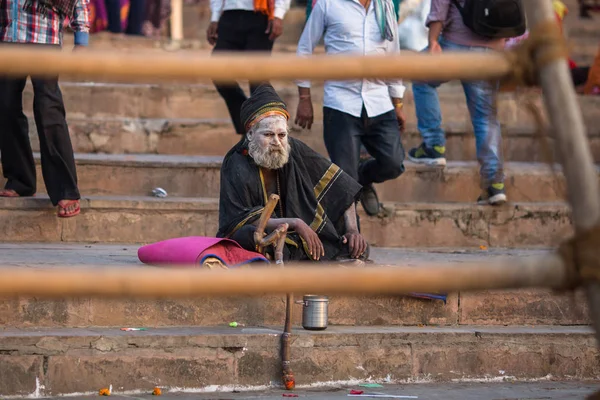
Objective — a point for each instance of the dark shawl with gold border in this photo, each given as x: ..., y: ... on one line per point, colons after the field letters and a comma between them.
x: 312, y: 189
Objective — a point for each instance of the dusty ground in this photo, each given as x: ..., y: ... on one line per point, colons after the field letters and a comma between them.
x: 44, y: 255
x: 455, y: 391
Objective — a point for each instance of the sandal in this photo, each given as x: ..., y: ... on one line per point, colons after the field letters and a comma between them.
x: 8, y: 193
x: 66, y: 204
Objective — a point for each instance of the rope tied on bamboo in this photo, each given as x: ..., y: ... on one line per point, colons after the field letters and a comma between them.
x: 580, y: 256
x: 544, y: 45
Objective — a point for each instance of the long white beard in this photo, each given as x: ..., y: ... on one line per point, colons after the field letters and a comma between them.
x: 266, y: 158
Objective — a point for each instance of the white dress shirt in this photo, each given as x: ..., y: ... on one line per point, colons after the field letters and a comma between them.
x: 218, y: 6
x: 350, y: 29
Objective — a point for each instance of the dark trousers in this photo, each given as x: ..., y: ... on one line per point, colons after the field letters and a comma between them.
x: 18, y: 166
x: 343, y: 134
x: 135, y: 17
x: 240, y: 30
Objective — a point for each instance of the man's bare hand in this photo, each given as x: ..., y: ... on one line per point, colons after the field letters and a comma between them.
x: 305, y: 115
x: 356, y: 244
x: 314, y: 244
x: 274, y: 28
x: 212, y: 33
x: 401, y: 118
x: 435, y: 48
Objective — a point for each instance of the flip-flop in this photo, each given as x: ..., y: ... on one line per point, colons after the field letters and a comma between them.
x: 65, y: 206
x: 8, y: 193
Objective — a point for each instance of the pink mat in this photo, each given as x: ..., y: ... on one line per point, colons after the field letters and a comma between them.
x: 195, y: 249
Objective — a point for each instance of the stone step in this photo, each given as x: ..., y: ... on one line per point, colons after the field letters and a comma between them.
x: 121, y: 219
x: 201, y: 101
x: 139, y: 174
x: 67, y: 361
x: 508, y: 307
x: 210, y: 137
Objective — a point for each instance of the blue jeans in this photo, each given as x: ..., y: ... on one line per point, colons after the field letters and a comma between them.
x: 481, y: 102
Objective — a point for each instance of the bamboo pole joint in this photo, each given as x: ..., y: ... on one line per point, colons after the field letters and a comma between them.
x: 544, y: 45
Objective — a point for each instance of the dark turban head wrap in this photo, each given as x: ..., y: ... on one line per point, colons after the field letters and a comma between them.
x: 264, y: 102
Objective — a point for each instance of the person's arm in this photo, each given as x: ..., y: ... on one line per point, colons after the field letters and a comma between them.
x: 312, y: 33
x: 80, y: 23
x: 396, y: 87
x: 435, y: 22
x: 314, y: 244
x: 216, y: 8
x: 281, y: 8
x: 356, y: 242
x: 273, y: 223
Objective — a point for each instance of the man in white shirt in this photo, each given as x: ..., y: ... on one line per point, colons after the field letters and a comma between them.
x: 363, y: 111
x: 244, y: 25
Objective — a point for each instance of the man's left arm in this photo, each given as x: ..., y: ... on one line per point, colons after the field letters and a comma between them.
x: 396, y: 87
x: 356, y: 242
x: 80, y: 23
x: 276, y: 25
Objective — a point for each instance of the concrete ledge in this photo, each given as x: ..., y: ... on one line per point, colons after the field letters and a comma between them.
x: 188, y: 176
x: 85, y: 360
x: 517, y: 307
x: 215, y: 137
x: 146, y: 219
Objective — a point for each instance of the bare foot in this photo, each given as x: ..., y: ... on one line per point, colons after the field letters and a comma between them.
x: 68, y: 208
x: 8, y: 193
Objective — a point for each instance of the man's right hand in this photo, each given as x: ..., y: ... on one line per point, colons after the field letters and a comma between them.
x: 315, y: 246
x: 304, y: 115
x: 435, y: 48
x: 211, y: 33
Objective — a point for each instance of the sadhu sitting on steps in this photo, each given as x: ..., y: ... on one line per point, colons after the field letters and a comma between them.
x: 318, y: 199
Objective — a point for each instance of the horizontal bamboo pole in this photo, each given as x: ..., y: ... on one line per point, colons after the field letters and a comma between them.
x: 546, y: 271
x: 18, y: 60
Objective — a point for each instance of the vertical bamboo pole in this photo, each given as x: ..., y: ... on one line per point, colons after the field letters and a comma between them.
x: 571, y: 143
x: 177, y: 20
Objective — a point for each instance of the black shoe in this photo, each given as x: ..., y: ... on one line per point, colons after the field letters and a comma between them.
x: 369, y: 200
x: 428, y: 156
x: 494, y: 195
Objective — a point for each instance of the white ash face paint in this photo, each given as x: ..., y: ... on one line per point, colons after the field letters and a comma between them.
x: 268, y: 142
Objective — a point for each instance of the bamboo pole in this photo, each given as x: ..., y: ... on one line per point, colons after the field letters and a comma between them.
x: 177, y: 20
x: 146, y: 66
x: 545, y: 271
x: 571, y: 142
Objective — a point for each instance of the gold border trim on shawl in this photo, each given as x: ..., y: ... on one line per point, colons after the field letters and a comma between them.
x: 245, y: 220
x: 325, y: 180
x: 264, y: 188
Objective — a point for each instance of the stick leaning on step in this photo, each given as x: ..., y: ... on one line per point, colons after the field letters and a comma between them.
x: 277, y: 238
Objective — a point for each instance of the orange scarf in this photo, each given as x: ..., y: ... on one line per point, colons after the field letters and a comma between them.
x: 593, y: 82
x: 266, y: 7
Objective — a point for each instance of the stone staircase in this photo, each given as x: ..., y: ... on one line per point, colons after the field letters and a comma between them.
x: 131, y: 138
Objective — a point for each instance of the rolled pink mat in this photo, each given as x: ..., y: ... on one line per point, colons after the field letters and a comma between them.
x: 195, y: 249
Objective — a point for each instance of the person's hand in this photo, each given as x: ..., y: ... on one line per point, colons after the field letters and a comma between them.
x: 304, y: 115
x: 356, y: 244
x: 212, y: 34
x: 274, y: 28
x: 435, y: 48
x: 314, y: 244
x: 401, y: 118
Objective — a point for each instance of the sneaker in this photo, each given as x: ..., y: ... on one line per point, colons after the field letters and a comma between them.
x: 369, y: 200
x: 428, y: 156
x: 494, y: 195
